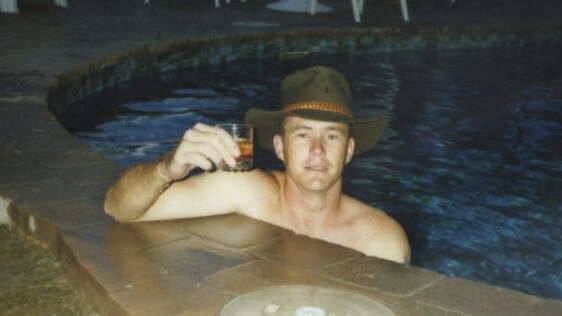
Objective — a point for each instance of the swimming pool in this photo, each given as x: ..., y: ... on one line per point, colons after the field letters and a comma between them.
x: 471, y: 164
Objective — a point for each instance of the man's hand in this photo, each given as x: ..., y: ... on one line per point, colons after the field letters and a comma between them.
x: 202, y: 146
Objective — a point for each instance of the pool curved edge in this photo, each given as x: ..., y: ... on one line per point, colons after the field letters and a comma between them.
x: 146, y: 61
x: 127, y: 269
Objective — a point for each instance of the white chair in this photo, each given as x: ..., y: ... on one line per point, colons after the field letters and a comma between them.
x: 309, y: 6
x: 11, y: 6
x: 405, y: 12
x: 357, y: 6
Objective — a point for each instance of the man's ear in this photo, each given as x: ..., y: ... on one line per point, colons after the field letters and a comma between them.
x: 278, y: 145
x: 350, y: 149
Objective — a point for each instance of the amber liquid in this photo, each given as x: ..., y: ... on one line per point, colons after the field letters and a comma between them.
x: 246, y: 158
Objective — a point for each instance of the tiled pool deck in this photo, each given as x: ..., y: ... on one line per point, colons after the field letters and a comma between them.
x: 193, y: 267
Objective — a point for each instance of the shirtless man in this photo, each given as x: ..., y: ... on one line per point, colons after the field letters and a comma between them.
x: 314, y: 134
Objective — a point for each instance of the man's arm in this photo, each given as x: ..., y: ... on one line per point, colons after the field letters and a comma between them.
x: 141, y: 186
x: 136, y: 190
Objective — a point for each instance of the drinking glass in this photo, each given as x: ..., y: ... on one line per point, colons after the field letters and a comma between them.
x: 243, y: 135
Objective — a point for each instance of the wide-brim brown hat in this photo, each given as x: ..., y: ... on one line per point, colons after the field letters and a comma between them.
x: 316, y: 93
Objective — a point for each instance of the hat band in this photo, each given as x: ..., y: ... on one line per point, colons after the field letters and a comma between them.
x: 318, y: 106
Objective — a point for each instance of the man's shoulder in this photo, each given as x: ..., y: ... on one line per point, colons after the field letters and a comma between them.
x: 260, y: 178
x: 374, y: 218
x: 365, y: 213
x: 386, y: 237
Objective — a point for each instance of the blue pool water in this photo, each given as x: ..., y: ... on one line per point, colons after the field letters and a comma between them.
x: 471, y: 164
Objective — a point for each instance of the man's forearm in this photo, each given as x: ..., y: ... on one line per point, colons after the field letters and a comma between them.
x: 137, y: 189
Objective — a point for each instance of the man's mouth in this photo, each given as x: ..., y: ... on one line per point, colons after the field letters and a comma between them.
x: 317, y: 168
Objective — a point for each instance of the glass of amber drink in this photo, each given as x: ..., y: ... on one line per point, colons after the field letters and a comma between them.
x: 243, y: 135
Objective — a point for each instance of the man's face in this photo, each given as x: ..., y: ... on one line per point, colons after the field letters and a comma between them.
x: 314, y: 152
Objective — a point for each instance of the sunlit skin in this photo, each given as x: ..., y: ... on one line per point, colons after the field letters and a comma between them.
x: 314, y: 153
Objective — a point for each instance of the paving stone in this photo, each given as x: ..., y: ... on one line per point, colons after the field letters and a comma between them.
x: 107, y: 238
x: 306, y: 253
x: 114, y: 270
x: 63, y: 153
x: 258, y: 274
x: 93, y: 286
x: 235, y: 230
x: 190, y: 300
x: 24, y: 173
x: 44, y: 192
x: 546, y: 308
x: 405, y: 307
x: 72, y: 214
x: 383, y: 275
x: 29, y: 117
x: 10, y: 155
x: 476, y: 298
x: 16, y: 84
x: 193, y: 258
x: 105, y: 173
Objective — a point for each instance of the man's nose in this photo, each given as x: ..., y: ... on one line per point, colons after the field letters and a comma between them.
x: 317, y: 146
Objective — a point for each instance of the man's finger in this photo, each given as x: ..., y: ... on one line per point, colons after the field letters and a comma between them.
x: 216, y: 137
x: 224, y: 136
x: 216, y: 154
x: 198, y: 160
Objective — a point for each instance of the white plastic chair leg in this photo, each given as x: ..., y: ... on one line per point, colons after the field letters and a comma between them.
x: 356, y: 13
x: 218, y: 4
x: 313, y: 7
x: 405, y: 13
x: 9, y: 6
x: 357, y: 6
x: 61, y: 3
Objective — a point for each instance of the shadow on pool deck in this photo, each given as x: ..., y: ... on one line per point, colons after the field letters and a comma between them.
x: 193, y: 267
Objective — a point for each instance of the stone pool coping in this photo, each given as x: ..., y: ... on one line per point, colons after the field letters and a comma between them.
x: 56, y: 186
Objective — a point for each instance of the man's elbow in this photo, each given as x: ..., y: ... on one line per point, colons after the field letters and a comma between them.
x: 113, y: 209
x: 110, y: 210
x: 119, y: 216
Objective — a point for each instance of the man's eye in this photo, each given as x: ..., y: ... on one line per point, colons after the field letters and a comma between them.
x: 332, y: 137
x: 301, y: 135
